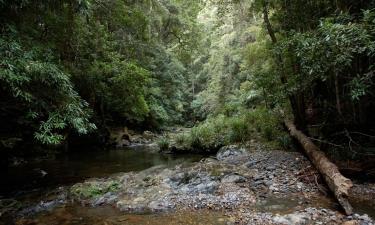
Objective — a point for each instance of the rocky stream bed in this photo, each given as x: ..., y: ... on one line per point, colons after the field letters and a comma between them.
x: 237, y: 186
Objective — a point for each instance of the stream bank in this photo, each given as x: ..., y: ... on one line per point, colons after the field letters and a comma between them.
x: 237, y: 186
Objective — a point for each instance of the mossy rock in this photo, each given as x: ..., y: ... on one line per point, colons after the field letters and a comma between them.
x: 94, y: 189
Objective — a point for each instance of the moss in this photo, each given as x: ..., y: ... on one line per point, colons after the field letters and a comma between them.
x: 94, y: 189
x: 215, y: 172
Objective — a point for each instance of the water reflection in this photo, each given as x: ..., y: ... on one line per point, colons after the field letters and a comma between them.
x: 76, y: 167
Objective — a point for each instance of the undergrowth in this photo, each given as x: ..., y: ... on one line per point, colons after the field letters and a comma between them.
x: 222, y: 130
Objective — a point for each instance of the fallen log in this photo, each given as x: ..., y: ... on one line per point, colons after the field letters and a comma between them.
x: 336, y: 182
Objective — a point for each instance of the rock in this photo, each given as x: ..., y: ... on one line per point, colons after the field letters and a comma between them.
x: 160, y: 206
x: 257, y: 177
x: 281, y: 220
x: 148, y: 135
x: 273, y: 188
x: 122, y: 143
x: 230, y: 153
x: 206, y: 188
x: 259, y: 182
x: 364, y: 217
x: 213, y: 185
x: 271, y: 168
x: 107, y: 198
x: 251, y: 163
x: 130, y: 207
x: 119, y: 137
x: 178, y: 179
x: 291, y: 219
x: 233, y: 179
x: 351, y: 222
x: 268, y: 182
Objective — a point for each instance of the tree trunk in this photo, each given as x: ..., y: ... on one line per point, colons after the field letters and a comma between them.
x: 268, y: 24
x: 293, y: 99
x: 337, y: 93
x: 337, y: 183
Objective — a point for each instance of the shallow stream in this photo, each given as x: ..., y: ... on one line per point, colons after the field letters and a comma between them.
x: 35, y: 181
x: 76, y: 167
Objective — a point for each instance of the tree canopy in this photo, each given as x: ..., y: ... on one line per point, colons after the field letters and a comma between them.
x: 80, y: 66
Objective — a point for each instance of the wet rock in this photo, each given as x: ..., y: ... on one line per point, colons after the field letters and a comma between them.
x: 232, y: 183
x: 257, y: 178
x: 291, y: 219
x: 131, y: 207
x: 273, y: 188
x: 268, y: 183
x: 351, y: 222
x: 41, y: 207
x: 160, y: 206
x: 119, y: 137
x: 122, y: 143
x: 259, y: 182
x: 107, y: 198
x: 271, y: 168
x: 251, y: 163
x: 208, y: 184
x: 233, y: 179
x: 231, y: 152
x: 363, y: 219
x: 236, y: 184
x: 202, y: 187
x: 208, y: 188
x: 148, y: 135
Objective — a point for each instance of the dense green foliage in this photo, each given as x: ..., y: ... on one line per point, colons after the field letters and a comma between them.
x: 24, y: 73
x: 79, y: 65
x: 312, y: 59
x: 320, y: 65
x: 71, y: 67
x: 222, y: 130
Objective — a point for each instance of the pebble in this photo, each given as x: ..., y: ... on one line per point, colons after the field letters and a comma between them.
x: 233, y: 189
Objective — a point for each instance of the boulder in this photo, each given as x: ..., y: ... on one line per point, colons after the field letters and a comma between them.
x: 119, y: 137
x: 231, y: 152
x: 233, y: 178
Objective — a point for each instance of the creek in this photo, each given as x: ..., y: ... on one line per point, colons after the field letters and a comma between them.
x: 33, y: 182
x: 75, y: 167
x: 39, y: 189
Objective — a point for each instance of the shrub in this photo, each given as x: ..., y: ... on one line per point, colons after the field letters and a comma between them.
x: 239, y: 130
x: 265, y: 122
x: 222, y: 130
x: 163, y: 144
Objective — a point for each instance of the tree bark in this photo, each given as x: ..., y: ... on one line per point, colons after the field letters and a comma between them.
x: 337, y: 183
x: 337, y: 93
x: 293, y: 99
x: 268, y: 24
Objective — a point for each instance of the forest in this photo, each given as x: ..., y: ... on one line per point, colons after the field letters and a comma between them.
x: 187, y: 112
